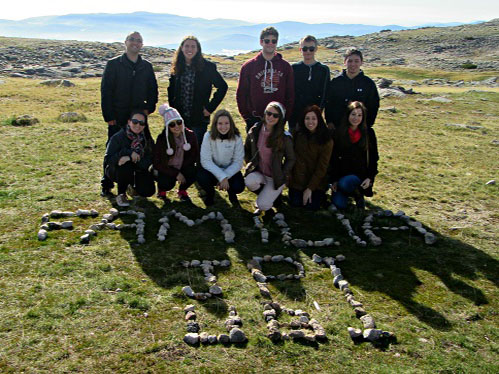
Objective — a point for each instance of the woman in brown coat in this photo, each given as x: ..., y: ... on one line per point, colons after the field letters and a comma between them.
x: 313, y: 146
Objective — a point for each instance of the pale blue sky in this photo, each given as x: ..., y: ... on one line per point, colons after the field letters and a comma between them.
x: 378, y: 12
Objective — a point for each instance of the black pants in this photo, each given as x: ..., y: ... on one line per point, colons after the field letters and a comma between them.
x: 296, y: 198
x: 167, y: 182
x: 142, y: 181
x: 121, y: 121
x: 207, y: 181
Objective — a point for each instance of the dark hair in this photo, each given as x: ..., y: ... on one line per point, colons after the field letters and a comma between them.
x: 147, y: 133
x: 178, y: 63
x: 308, y: 38
x: 322, y: 134
x: 270, y: 30
x: 342, y: 139
x: 276, y: 138
x: 132, y: 33
x: 233, y: 131
x: 353, y: 51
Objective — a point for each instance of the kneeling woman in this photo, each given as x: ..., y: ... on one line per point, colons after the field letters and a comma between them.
x: 354, y: 163
x: 222, y: 155
x: 313, y: 146
x: 175, y: 155
x: 128, y: 158
x: 268, y: 152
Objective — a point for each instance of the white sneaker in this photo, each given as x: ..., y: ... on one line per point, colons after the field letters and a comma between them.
x: 122, y: 200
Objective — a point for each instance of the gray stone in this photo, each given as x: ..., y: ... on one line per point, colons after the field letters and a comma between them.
x: 71, y: 117
x: 212, y: 339
x: 45, y: 218
x: 203, y: 338
x: 264, y: 291
x: 195, y: 263
x: 215, y: 290
x: 316, y: 258
x: 190, y: 316
x: 297, y: 334
x: 191, y: 338
x: 368, y: 321
x: 188, y: 291
x: 337, y: 279
x: 224, y: 339
x: 490, y: 182
x: 430, y: 238
x: 42, y: 235
x: 299, y: 243
x: 225, y: 263
x: 85, y: 239
x: 237, y: 336
x: 25, y: 120
x: 189, y: 308
x: 90, y: 232
x: 354, y: 333
x: 274, y: 334
x: 372, y: 334
x: 277, y: 258
x: 340, y: 258
x: 258, y: 276
x: 342, y: 284
x: 193, y: 326
x: 234, y: 321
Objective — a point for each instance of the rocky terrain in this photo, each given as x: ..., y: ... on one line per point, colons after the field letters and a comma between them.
x: 446, y: 48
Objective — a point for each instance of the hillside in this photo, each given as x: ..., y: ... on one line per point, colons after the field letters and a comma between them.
x: 455, y: 48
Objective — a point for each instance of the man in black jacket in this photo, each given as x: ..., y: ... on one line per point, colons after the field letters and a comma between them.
x: 351, y: 85
x: 128, y: 83
x: 311, y: 80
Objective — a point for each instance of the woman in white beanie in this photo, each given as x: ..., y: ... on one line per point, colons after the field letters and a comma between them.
x: 175, y: 155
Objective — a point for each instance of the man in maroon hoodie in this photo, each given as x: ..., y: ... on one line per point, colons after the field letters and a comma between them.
x: 266, y: 77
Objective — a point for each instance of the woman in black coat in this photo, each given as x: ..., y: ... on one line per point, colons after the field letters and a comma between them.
x: 354, y: 162
x: 191, y: 82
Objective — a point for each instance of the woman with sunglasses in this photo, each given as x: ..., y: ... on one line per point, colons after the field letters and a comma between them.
x: 222, y: 155
x: 175, y: 155
x: 354, y: 162
x: 191, y: 82
x: 313, y: 146
x: 128, y: 158
x: 269, y: 155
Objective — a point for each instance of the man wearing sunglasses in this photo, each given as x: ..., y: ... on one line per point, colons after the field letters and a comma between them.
x: 311, y: 80
x: 128, y: 83
x: 266, y: 77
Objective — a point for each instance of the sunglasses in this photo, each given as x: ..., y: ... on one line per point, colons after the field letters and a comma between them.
x: 132, y: 39
x: 272, y: 114
x: 136, y: 121
x: 178, y: 122
x: 267, y: 41
x: 306, y: 49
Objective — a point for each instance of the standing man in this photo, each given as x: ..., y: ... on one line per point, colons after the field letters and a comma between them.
x: 266, y: 77
x: 311, y: 80
x: 128, y: 83
x: 351, y: 85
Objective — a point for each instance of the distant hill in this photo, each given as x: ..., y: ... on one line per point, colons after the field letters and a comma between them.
x: 166, y: 30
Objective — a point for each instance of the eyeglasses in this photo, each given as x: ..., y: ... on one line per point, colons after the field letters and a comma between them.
x: 136, y: 121
x: 306, y: 49
x: 132, y: 39
x: 178, y: 122
x: 271, y: 114
x: 267, y: 41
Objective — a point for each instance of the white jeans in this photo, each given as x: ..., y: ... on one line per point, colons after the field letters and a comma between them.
x: 267, y: 196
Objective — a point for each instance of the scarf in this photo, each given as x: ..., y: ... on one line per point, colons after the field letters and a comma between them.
x: 138, y: 141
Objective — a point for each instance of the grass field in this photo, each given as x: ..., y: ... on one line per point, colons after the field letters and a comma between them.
x: 116, y: 306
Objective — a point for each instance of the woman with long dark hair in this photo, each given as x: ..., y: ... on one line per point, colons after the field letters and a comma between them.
x: 313, y: 146
x: 128, y: 158
x: 269, y: 155
x: 354, y: 163
x: 191, y: 81
x: 222, y: 155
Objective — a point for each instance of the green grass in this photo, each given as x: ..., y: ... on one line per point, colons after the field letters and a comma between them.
x: 116, y: 306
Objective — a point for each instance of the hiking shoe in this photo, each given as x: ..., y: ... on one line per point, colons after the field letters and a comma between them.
x: 122, y: 200
x: 183, y: 195
x: 131, y: 191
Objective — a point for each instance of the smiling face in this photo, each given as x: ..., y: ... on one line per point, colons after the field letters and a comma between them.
x: 353, y: 64
x: 223, y: 125
x: 308, y: 55
x: 189, y: 49
x: 355, y: 118
x: 176, y: 127
x: 311, y: 121
x: 140, y: 123
x: 270, y: 47
x: 270, y: 116
x: 133, y: 43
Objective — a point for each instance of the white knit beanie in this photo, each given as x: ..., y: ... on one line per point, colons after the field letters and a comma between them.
x: 170, y: 114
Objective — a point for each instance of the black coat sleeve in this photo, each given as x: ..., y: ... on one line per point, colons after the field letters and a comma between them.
x: 372, y: 104
x: 108, y: 83
x: 372, y: 168
x: 221, y: 86
x: 152, y: 92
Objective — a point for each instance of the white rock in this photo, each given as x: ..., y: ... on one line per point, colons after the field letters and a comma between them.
x: 372, y: 334
x: 188, y: 291
x: 225, y: 263
x: 215, y: 290
x: 195, y: 263
x: 191, y: 338
x: 340, y: 258
x: 277, y: 258
x: 42, y: 235
x: 316, y: 258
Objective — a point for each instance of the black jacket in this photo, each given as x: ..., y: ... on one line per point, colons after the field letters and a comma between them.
x: 351, y: 159
x: 342, y: 90
x: 203, y: 82
x: 126, y: 86
x: 311, y: 84
x: 118, y: 146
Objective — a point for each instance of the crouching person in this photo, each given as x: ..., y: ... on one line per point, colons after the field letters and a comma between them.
x: 175, y: 155
x: 129, y: 157
x: 222, y: 155
x: 268, y: 152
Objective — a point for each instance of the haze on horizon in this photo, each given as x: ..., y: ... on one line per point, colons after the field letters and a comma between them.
x: 381, y: 12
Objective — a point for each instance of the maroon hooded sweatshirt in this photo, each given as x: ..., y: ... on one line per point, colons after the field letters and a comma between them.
x: 262, y: 81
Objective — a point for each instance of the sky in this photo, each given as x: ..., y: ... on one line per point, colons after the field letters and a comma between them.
x: 377, y: 12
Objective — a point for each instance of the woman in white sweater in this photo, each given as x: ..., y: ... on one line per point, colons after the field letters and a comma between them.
x: 222, y: 155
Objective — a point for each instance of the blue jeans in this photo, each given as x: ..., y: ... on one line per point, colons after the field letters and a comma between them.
x: 346, y: 187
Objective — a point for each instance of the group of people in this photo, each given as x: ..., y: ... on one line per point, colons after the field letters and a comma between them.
x: 317, y: 153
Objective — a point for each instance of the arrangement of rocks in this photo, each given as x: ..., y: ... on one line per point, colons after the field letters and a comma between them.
x: 287, y: 237
x: 208, y: 267
x: 233, y: 325
x: 255, y: 267
x: 227, y: 231
x: 106, y: 223
x: 346, y: 223
x: 429, y: 237
x: 370, y: 333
